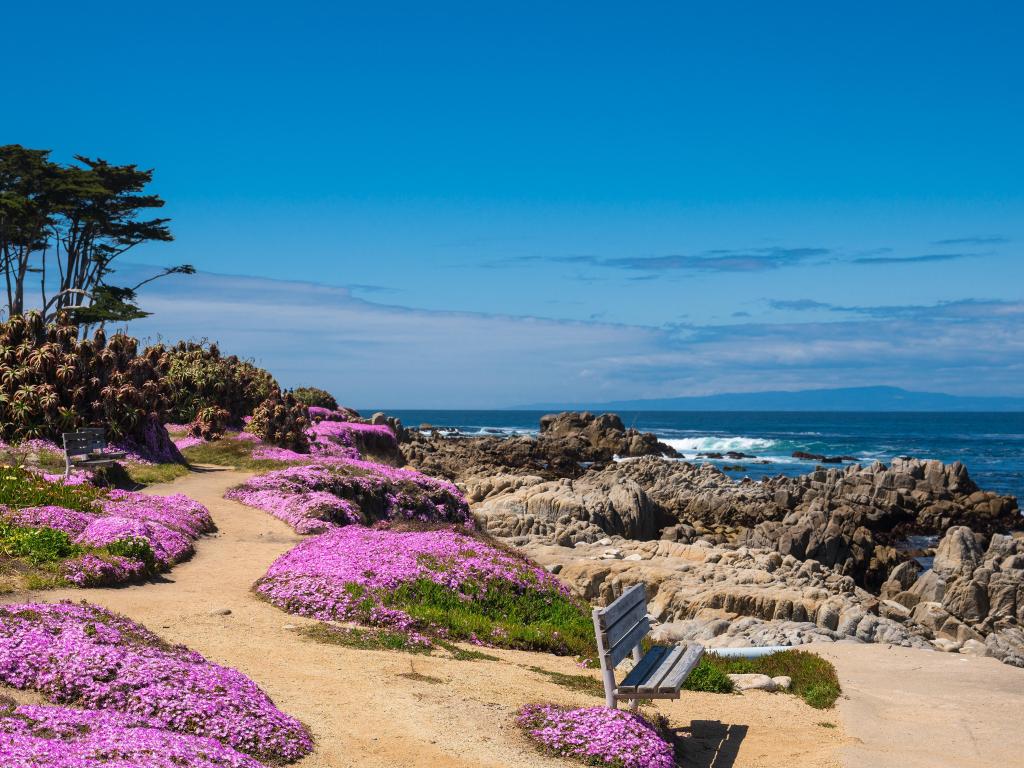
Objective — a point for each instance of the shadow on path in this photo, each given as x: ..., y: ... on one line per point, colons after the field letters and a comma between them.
x: 709, y: 743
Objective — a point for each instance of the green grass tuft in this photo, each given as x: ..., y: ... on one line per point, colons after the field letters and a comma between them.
x: 37, y: 545
x: 709, y: 678
x: 229, y: 452
x: 360, y: 638
x: 581, y: 683
x: 814, y: 678
x: 502, y: 616
x: 20, y: 488
x: 152, y: 474
x: 464, y: 654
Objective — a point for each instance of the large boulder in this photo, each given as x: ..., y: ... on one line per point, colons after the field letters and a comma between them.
x: 958, y: 554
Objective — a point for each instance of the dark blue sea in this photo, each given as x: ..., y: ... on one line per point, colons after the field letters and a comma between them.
x: 990, y: 444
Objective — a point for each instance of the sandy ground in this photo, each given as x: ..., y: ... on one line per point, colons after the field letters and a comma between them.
x: 363, y: 712
x: 919, y: 709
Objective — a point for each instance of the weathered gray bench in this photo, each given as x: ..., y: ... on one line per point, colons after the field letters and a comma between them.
x: 87, y: 448
x: 658, y: 674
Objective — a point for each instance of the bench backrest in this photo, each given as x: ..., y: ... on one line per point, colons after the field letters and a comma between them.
x: 85, y: 441
x: 622, y: 625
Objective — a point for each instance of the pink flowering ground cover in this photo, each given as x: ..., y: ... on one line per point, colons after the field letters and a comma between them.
x: 88, y: 657
x: 442, y: 583
x: 61, y: 737
x: 315, y: 497
x: 92, y: 537
x: 597, y: 736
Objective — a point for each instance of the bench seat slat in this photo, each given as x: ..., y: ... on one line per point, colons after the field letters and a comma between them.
x: 653, y: 681
x: 630, y: 640
x: 641, y: 671
x: 674, y: 680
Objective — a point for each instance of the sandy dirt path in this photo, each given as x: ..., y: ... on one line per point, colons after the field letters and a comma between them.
x: 360, y: 708
x: 908, y: 708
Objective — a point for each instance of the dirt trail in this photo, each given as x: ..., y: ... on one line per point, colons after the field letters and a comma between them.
x: 362, y: 712
x: 907, y: 708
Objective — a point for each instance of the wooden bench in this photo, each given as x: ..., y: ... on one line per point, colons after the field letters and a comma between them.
x: 86, y: 448
x: 658, y: 674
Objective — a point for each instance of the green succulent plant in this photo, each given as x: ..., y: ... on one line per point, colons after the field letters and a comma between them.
x: 199, y: 377
x: 282, y: 420
x: 51, y: 382
x: 314, y: 396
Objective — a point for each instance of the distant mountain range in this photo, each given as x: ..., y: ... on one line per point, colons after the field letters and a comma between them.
x: 842, y: 399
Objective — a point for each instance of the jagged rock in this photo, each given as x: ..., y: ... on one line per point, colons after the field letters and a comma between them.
x: 567, y: 444
x: 929, y: 587
x: 901, y: 578
x: 847, y: 519
x: 728, y: 597
x: 958, y: 554
x: 1007, y: 645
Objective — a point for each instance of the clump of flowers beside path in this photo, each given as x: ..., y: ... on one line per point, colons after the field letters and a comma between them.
x: 443, y: 583
x: 59, y: 737
x: 315, y: 497
x: 90, y: 537
x: 597, y: 736
x: 83, y: 655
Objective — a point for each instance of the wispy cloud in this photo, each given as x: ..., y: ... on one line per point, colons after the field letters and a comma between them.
x: 798, y: 305
x: 749, y: 260
x: 372, y: 354
x: 994, y: 240
x: 913, y: 259
x: 755, y: 260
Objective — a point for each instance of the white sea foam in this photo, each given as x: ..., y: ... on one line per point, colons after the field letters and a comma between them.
x: 717, y: 444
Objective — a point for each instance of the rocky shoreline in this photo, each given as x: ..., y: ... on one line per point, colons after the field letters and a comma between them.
x: 781, y: 561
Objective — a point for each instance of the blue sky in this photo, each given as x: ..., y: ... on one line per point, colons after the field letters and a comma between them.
x: 460, y: 204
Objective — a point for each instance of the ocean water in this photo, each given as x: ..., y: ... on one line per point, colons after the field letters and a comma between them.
x: 991, y: 445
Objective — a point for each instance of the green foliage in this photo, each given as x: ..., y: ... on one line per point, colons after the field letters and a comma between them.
x: 502, y: 616
x: 464, y: 654
x: 134, y: 548
x: 228, y: 452
x: 314, y: 396
x: 281, y: 420
x: 581, y: 683
x: 210, y: 423
x: 152, y: 474
x: 361, y: 638
x: 50, y: 382
x: 709, y: 678
x: 814, y: 678
x: 21, y: 488
x: 84, y: 215
x: 199, y: 377
x: 37, y: 545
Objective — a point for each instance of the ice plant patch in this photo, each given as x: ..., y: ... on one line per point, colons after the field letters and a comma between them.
x: 428, y: 583
x: 60, y: 737
x: 597, y: 736
x: 84, y: 655
x: 92, y: 537
x: 316, y: 497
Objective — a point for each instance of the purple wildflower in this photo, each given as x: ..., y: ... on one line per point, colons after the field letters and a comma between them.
x: 597, y: 736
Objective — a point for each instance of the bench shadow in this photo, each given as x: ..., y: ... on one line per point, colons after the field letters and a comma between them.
x: 202, y: 469
x: 709, y: 743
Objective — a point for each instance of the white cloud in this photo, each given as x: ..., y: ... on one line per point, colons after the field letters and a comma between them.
x: 372, y: 354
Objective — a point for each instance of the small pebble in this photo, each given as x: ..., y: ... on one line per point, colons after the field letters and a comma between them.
x: 220, y: 612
